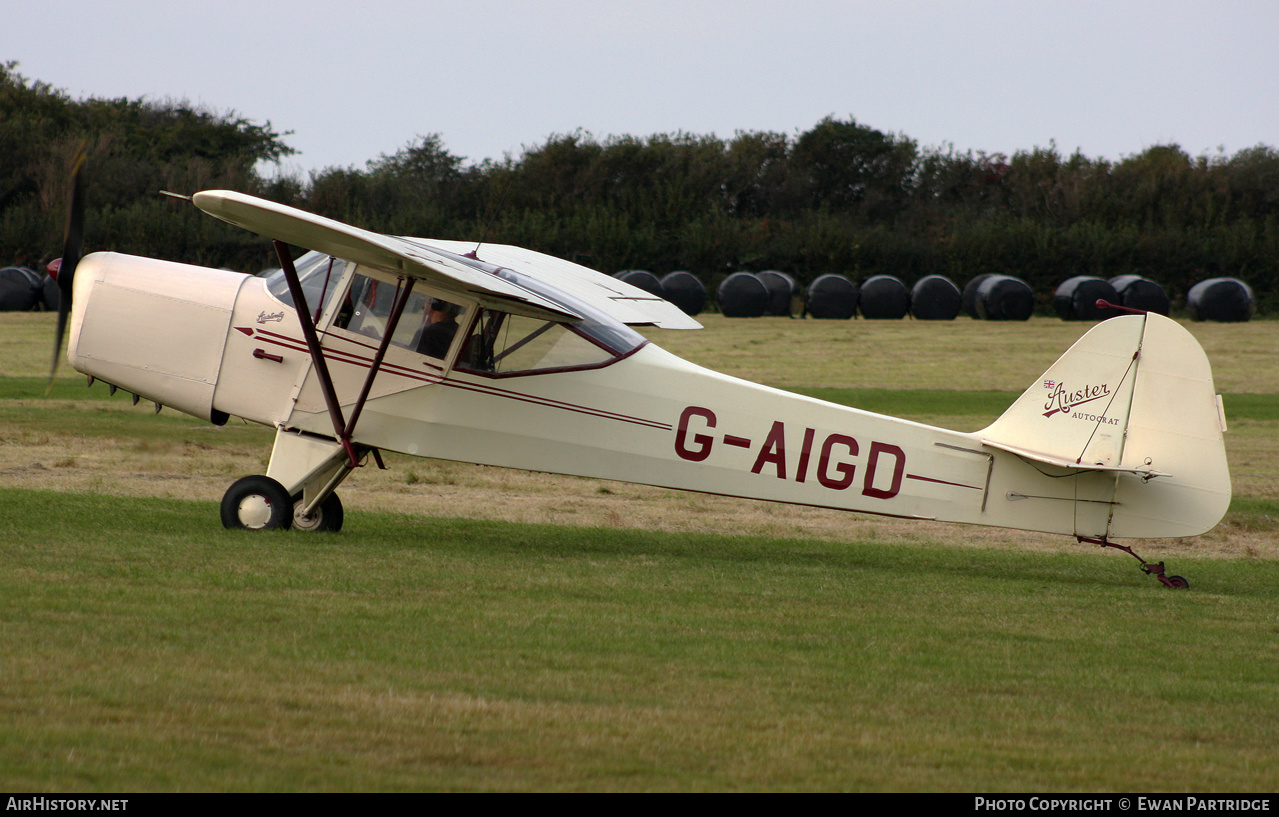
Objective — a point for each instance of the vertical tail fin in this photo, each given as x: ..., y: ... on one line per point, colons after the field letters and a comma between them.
x: 1134, y: 396
x: 1078, y: 410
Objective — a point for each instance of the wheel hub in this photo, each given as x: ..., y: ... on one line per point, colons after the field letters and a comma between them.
x: 311, y: 521
x: 254, y: 512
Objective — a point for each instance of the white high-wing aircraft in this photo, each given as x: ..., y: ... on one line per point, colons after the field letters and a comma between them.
x: 499, y: 355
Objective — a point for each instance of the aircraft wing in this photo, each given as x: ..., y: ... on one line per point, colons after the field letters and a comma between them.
x: 444, y: 266
x: 624, y: 302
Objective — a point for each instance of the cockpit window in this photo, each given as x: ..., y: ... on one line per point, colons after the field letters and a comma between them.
x: 600, y: 327
x: 426, y: 326
x: 497, y: 343
x: 501, y: 343
x: 320, y: 276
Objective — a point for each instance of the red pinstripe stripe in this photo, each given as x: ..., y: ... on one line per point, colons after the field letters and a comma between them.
x: 354, y: 359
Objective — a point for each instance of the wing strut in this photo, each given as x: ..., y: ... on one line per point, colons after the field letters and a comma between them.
x: 342, y: 428
x: 393, y: 320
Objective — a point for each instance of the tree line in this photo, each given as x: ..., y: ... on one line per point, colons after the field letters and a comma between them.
x: 841, y: 197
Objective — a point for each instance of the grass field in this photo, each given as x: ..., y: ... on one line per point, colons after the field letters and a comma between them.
x: 478, y: 629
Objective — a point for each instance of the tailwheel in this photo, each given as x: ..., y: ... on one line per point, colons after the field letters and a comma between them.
x: 1171, y: 582
x: 1149, y: 568
x: 327, y: 517
x: 257, y: 503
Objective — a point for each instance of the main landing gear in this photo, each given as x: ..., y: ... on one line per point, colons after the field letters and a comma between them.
x: 1156, y: 570
x: 261, y: 503
x: 296, y: 492
x: 307, y: 467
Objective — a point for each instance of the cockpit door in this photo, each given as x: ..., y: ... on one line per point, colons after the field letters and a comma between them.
x: 419, y: 353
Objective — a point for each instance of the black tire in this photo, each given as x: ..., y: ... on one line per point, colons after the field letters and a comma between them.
x: 327, y: 517
x: 1178, y: 582
x: 257, y: 503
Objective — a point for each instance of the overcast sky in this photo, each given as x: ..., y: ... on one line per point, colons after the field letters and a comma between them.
x: 350, y: 81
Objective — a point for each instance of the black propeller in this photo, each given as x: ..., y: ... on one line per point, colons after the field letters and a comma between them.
x: 72, y: 245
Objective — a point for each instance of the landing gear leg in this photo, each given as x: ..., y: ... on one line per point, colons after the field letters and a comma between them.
x: 1156, y: 570
x: 311, y: 468
x: 298, y: 489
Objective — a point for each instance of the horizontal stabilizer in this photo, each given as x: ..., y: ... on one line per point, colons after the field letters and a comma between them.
x: 1144, y: 471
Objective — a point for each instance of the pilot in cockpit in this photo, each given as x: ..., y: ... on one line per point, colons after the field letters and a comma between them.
x: 441, y: 326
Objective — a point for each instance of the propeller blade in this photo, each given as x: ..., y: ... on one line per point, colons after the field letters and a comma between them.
x: 72, y: 246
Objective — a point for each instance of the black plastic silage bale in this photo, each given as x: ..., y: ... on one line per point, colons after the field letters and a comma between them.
x: 1137, y: 292
x: 781, y: 288
x: 1005, y: 298
x: 685, y: 290
x: 643, y: 279
x: 831, y: 296
x: 742, y: 295
x: 1226, y: 300
x: 968, y: 302
x: 1076, y: 299
x: 884, y: 297
x: 935, y: 298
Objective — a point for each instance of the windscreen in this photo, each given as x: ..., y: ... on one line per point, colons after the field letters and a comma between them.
x: 320, y: 275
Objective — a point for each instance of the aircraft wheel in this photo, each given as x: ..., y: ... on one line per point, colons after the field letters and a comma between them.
x: 326, y: 517
x: 257, y: 503
x: 1178, y: 582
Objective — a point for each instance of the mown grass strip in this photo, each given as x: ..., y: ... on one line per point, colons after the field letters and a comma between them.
x: 145, y: 648
x: 77, y: 411
x: 918, y: 402
x: 1256, y: 514
x: 32, y: 388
